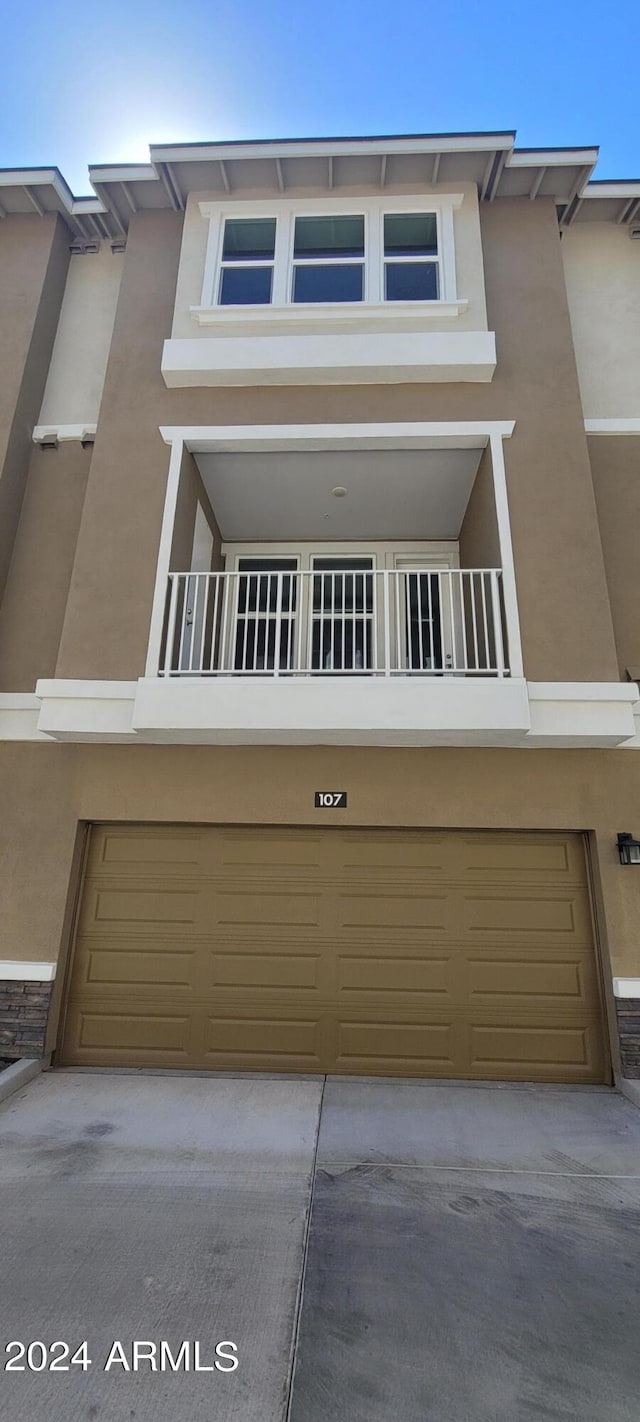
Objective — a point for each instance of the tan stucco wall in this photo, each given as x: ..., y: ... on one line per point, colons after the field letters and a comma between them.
x: 602, y: 267
x: 81, y: 348
x: 596, y: 791
x: 615, y: 463
x: 479, y: 544
x: 468, y: 247
x: 191, y: 493
x: 107, y: 622
x: 35, y: 598
x: 34, y: 256
x: 563, y: 601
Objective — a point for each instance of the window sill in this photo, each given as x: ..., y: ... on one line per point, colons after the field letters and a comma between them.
x: 356, y: 316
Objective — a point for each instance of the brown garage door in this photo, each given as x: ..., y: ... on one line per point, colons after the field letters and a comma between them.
x: 399, y: 952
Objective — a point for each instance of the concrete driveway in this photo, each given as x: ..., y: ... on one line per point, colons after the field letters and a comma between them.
x: 375, y: 1250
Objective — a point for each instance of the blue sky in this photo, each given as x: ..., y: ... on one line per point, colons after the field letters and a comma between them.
x: 98, y: 83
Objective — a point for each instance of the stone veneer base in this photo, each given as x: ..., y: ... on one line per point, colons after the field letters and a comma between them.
x: 24, y: 1008
x: 628, y: 1015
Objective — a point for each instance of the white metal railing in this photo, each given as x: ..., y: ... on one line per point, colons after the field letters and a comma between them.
x: 383, y: 622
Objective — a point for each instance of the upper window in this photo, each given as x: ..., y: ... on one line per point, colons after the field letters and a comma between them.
x: 411, y: 256
x: 322, y: 254
x: 328, y: 259
x: 246, y: 268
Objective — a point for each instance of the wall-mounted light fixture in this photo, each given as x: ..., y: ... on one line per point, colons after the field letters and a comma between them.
x: 628, y: 849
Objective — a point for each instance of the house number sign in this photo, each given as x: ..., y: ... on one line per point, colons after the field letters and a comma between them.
x: 330, y: 800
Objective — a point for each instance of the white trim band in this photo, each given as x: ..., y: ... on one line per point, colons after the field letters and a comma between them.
x: 332, y: 358
x: 626, y: 987
x: 11, y: 970
x: 559, y: 713
x: 415, y: 434
x: 617, y: 426
x: 48, y: 434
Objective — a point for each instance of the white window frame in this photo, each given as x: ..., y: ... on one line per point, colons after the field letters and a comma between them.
x: 443, y: 205
x: 440, y: 553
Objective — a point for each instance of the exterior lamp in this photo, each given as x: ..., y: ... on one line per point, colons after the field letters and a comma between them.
x: 628, y: 849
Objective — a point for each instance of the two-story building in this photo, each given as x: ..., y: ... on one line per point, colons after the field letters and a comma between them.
x: 320, y: 611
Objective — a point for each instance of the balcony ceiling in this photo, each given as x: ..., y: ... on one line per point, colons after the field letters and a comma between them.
x: 286, y: 497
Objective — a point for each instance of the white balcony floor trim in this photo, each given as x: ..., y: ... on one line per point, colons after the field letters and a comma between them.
x: 346, y: 710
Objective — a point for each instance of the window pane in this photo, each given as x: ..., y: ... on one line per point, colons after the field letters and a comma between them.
x: 267, y: 565
x: 245, y: 286
x: 329, y: 237
x: 330, y: 283
x: 410, y: 234
x: 343, y: 592
x: 260, y: 586
x: 411, y: 281
x: 342, y: 565
x: 249, y: 239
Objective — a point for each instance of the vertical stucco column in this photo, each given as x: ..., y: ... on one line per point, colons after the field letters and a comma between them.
x: 34, y: 256
x: 106, y: 626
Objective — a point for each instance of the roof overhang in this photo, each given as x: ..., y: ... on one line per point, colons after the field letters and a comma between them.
x: 44, y: 190
x: 610, y: 200
x: 315, y: 165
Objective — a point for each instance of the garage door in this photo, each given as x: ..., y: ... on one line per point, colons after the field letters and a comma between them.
x: 395, y: 952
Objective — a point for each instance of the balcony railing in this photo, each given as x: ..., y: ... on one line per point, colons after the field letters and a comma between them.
x: 400, y: 622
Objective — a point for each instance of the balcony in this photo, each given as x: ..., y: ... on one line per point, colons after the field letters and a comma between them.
x: 353, y: 585
x: 334, y: 585
x: 335, y: 622
x: 357, y: 656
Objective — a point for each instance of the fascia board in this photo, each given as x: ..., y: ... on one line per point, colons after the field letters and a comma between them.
x: 336, y: 148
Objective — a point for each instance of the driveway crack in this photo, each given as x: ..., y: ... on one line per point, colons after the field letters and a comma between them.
x: 293, y: 1356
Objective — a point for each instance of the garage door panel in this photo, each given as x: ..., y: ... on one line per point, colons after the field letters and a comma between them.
x: 548, y: 859
x: 407, y: 952
x: 282, y: 1043
x: 534, y: 916
x: 395, y: 973
x: 394, y: 1046
x: 530, y: 1046
x: 408, y: 912
x: 284, y: 851
x: 139, y: 908
x: 267, y: 909
x: 271, y: 971
x: 106, y: 967
x: 565, y: 981
x: 126, y: 1030
x: 130, y: 851
x: 414, y: 856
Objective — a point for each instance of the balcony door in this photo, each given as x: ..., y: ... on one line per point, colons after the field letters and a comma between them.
x: 426, y: 616
x: 342, y: 615
x: 423, y: 622
x: 265, y: 615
